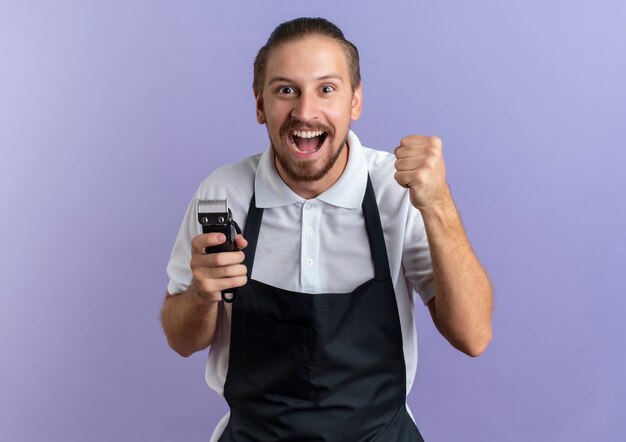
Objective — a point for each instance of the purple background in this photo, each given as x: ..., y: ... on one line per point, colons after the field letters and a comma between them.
x: 111, y: 113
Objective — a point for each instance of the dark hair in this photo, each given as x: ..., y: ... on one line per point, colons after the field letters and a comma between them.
x: 300, y: 28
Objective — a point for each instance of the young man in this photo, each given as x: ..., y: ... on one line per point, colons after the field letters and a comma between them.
x: 320, y: 341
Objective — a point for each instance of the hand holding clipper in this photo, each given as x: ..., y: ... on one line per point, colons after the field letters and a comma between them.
x: 216, y: 217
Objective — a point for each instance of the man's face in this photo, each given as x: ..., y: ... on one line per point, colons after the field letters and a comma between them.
x: 307, y: 104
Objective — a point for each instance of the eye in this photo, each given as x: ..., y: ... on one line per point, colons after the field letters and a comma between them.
x: 287, y: 90
x: 327, y: 89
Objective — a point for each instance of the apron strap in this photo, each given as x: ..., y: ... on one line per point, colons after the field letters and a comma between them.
x: 375, y: 232
x: 251, y: 233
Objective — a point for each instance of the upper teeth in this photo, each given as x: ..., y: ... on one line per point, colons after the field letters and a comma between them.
x: 307, y: 134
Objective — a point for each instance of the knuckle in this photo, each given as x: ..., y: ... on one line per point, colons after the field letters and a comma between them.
x: 421, y: 176
x: 195, y: 274
x: 430, y: 162
x: 204, y: 287
x: 196, y: 249
x: 220, y: 259
x: 417, y: 176
x: 435, y: 141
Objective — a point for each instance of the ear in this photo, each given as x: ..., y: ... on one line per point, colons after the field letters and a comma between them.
x: 357, y: 103
x: 260, y: 112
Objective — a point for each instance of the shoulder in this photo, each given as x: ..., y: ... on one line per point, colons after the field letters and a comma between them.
x: 234, y: 182
x: 378, y: 158
x: 234, y: 174
x: 381, y: 167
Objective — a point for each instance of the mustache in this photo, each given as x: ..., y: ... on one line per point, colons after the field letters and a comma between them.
x: 293, y: 124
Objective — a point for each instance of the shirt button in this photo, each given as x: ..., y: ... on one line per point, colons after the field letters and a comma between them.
x: 307, y: 207
x: 309, y: 231
x: 309, y: 261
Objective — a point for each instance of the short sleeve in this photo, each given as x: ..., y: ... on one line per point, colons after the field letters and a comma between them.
x: 178, y: 269
x: 416, y: 258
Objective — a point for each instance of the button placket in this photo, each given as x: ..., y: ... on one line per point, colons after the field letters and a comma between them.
x: 309, y: 252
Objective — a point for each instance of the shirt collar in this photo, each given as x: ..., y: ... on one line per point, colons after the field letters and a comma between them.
x: 271, y: 191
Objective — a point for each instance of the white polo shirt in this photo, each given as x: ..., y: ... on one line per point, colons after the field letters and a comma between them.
x: 318, y: 245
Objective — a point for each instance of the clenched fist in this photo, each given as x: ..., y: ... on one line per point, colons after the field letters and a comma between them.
x: 420, y: 168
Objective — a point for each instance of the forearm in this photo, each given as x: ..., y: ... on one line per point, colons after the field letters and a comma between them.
x: 189, y: 322
x: 463, y: 301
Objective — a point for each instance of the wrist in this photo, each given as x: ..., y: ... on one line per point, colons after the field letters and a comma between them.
x: 441, y: 207
x: 200, y: 299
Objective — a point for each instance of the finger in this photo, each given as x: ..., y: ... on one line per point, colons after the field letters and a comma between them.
x: 211, y: 279
x: 410, y: 163
x: 407, y: 151
x: 241, y: 242
x: 201, y: 242
x: 218, y: 285
x: 217, y: 259
x: 206, y: 273
x: 416, y: 143
x: 413, y: 139
x: 231, y: 283
x: 227, y: 271
x: 404, y: 178
x: 422, y: 140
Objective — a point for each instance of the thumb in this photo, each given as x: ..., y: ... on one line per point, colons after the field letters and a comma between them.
x: 242, y: 243
x: 201, y: 242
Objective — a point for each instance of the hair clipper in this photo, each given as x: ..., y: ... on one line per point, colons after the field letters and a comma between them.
x: 216, y: 217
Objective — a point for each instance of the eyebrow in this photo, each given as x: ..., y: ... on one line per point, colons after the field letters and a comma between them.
x: 322, y: 78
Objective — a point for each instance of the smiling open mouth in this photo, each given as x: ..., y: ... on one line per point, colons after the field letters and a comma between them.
x: 307, y: 141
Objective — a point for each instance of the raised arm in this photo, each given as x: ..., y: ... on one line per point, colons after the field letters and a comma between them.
x: 462, y: 306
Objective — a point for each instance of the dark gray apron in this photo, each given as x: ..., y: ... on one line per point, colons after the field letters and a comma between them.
x: 318, y: 367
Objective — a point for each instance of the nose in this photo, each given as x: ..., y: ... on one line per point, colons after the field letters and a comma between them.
x: 306, y: 107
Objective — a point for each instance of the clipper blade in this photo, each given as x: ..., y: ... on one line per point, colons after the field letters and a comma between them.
x: 213, y: 206
x: 213, y: 212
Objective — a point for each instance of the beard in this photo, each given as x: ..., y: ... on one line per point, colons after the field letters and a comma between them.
x: 302, y: 170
